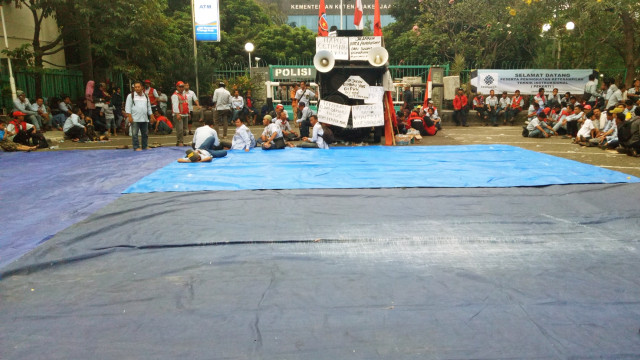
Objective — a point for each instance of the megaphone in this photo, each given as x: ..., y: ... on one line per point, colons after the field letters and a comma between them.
x: 324, y: 61
x: 378, y: 56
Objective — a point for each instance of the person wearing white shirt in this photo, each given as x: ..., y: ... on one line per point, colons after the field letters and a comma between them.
x: 584, y: 134
x: 41, y: 112
x: 538, y: 128
x: 243, y: 139
x: 304, y: 95
x: 614, y: 94
x: 492, y: 107
x: 237, y: 105
x: 138, y: 110
x: 73, y: 128
x: 162, y: 102
x: 222, y: 104
x: 206, y: 138
x: 540, y: 98
x: 283, y: 122
x: 192, y: 99
x: 316, y: 141
x: 504, y: 103
x: 591, y: 90
x: 272, y: 137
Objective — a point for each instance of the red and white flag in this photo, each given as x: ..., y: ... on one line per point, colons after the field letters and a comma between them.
x: 357, y: 15
x: 323, y: 26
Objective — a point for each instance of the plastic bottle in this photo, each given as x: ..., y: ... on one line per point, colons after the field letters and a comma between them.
x: 55, y: 147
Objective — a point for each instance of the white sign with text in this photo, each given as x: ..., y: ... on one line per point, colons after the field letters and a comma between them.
x: 339, y: 46
x: 376, y: 94
x: 333, y: 113
x: 367, y: 115
x: 355, y: 88
x: 359, y: 46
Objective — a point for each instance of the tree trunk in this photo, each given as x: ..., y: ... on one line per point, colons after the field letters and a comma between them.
x: 629, y: 47
x: 37, y: 54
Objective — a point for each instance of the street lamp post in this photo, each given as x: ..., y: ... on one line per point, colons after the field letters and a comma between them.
x: 248, y: 47
x: 556, y: 37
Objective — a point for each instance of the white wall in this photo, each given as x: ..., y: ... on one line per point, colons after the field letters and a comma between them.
x: 20, y: 26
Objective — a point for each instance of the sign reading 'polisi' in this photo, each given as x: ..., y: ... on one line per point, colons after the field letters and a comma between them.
x: 294, y: 73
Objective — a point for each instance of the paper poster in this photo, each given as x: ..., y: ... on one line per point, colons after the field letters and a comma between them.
x: 367, y: 115
x: 355, y: 88
x: 339, y: 46
x: 359, y: 46
x: 333, y: 113
x: 376, y: 94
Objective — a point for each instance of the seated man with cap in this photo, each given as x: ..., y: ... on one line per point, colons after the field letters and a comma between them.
x: 9, y: 145
x: 21, y: 132
x: 271, y: 138
x: 275, y: 114
x: 283, y: 122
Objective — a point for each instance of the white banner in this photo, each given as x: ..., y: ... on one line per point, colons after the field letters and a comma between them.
x: 333, y: 113
x: 367, y: 115
x: 339, y: 46
x: 206, y: 20
x: 376, y: 94
x: 528, y: 81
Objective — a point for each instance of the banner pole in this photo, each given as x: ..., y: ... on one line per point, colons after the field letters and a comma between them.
x: 195, y: 48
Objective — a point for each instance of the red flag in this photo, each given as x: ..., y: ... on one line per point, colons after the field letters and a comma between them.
x: 323, y: 25
x: 390, y: 121
x: 357, y: 15
x: 377, y: 25
x: 427, y: 90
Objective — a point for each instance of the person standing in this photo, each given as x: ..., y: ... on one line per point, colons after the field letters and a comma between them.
x: 116, y: 100
x: 294, y: 101
x: 460, y: 108
x: 192, y: 99
x: 152, y: 94
x: 222, y: 103
x: 180, y: 109
x: 162, y: 101
x: 138, y: 110
x: 304, y: 95
x: 591, y: 91
x: 88, y: 98
x: 407, y: 96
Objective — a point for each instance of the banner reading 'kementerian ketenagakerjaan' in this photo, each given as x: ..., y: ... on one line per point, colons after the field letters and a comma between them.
x: 528, y: 81
x: 206, y: 20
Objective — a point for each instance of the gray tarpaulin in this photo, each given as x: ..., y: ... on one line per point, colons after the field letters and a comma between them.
x: 524, y: 273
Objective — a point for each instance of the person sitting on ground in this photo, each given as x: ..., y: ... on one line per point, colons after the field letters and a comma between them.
x: 586, y: 130
x: 275, y: 114
x: 553, y: 99
x: 480, y: 107
x: 283, y: 122
x: 23, y: 105
x: 237, y: 105
x: 629, y: 135
x: 561, y: 122
x: 431, y: 114
x: 21, y: 132
x: 534, y: 110
x: 57, y: 115
x: 303, y: 121
x: 243, y: 138
x: 6, y: 144
x: 42, y: 113
x: 272, y: 137
x: 564, y: 101
x: 517, y: 104
x: 540, y: 98
x: 206, y: 138
x: 198, y: 155
x: 73, y: 128
x: 431, y: 105
x: 538, y: 128
x: 161, y: 125
x: 574, y: 120
x: 608, y: 136
x: 629, y: 109
x: 634, y: 92
x: 416, y: 122
x: 460, y: 108
x: 316, y: 141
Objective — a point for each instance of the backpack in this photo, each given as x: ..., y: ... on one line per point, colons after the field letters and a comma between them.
x: 625, y: 131
x: 327, y: 135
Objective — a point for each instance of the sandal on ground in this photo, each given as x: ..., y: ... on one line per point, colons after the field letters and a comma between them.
x: 122, y: 147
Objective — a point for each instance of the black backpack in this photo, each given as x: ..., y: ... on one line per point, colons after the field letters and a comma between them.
x: 327, y: 135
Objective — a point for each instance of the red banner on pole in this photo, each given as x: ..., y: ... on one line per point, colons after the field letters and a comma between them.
x: 377, y: 25
x: 323, y: 25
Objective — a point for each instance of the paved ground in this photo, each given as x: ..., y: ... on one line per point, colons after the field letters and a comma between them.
x: 451, y: 135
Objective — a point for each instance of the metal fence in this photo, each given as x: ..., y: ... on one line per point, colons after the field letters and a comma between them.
x: 54, y: 83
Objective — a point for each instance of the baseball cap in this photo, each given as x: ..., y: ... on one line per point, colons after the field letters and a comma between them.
x: 280, y: 106
x: 587, y: 107
x: 19, y: 113
x: 19, y: 92
x: 547, y: 110
x: 179, y: 83
x: 148, y: 81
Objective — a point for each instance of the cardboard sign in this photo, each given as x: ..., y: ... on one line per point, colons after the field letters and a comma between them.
x: 333, y: 113
x: 339, y: 46
x: 359, y: 46
x: 376, y: 94
x: 355, y: 88
x: 367, y: 115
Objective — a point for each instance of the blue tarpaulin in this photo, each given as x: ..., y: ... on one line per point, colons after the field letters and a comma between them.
x: 377, y: 167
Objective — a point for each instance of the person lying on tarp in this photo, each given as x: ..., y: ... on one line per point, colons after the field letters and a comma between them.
x: 243, y: 139
x: 272, y: 137
x: 317, y: 140
x: 200, y: 155
x: 417, y: 120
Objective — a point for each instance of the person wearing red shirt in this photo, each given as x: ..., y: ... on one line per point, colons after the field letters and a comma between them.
x: 162, y: 125
x: 460, y: 108
x: 517, y: 103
